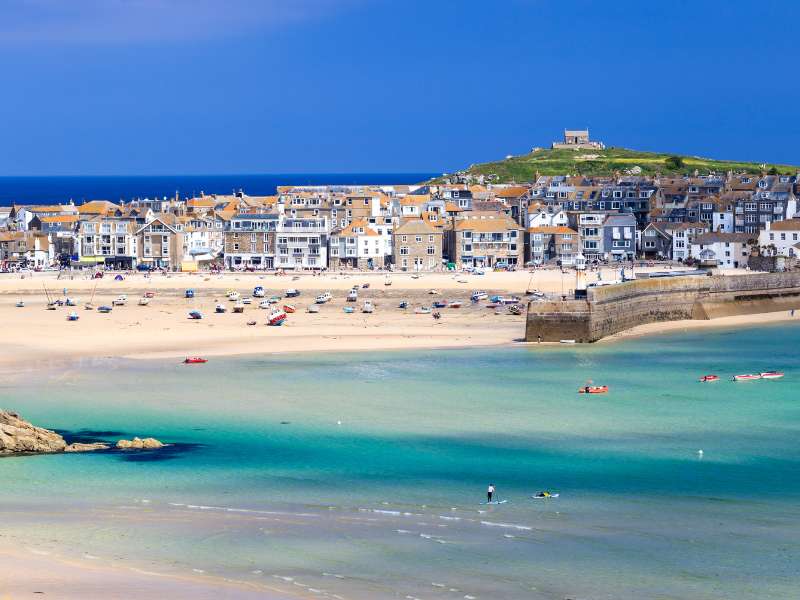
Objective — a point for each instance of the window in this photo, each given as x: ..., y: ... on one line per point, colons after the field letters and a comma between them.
x: 431, y: 250
x: 236, y: 247
x: 403, y: 250
x: 403, y: 238
x: 418, y: 239
x: 430, y: 238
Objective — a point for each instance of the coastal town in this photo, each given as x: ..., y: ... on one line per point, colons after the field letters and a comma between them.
x: 722, y: 219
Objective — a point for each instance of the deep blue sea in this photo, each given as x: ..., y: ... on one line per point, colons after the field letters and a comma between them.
x: 45, y: 190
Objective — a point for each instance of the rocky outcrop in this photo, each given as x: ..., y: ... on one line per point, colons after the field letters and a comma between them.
x: 76, y: 447
x: 17, y: 436
x: 139, y: 444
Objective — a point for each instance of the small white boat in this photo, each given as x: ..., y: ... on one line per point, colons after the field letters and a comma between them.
x: 433, y: 292
x: 20, y: 304
x: 71, y: 302
x: 478, y: 296
x: 292, y: 293
x: 144, y: 301
x: 238, y: 307
x: 247, y: 300
x: 323, y: 298
x: 368, y: 307
x: 352, y: 296
x: 73, y: 316
x: 264, y: 304
x: 387, y: 281
x: 234, y: 296
x: 771, y: 375
x: 454, y: 304
x: 313, y: 308
x: 120, y: 300
x: 422, y: 310
x: 566, y: 341
x: 219, y: 308
x: 747, y: 377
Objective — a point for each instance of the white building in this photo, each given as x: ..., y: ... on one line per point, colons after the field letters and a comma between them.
x: 730, y: 250
x: 682, y: 236
x: 780, y: 237
x: 301, y: 243
x: 361, y: 245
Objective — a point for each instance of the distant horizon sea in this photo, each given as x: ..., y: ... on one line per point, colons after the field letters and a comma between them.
x: 62, y: 189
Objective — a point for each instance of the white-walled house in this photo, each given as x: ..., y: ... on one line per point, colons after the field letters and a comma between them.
x: 683, y: 234
x: 783, y: 236
x: 730, y: 250
x: 360, y: 245
x: 547, y: 218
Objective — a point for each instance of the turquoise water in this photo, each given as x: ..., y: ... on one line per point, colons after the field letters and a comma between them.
x: 361, y: 475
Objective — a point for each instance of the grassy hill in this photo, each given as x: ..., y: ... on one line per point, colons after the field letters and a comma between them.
x: 610, y: 161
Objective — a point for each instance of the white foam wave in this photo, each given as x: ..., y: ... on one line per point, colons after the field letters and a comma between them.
x: 507, y: 525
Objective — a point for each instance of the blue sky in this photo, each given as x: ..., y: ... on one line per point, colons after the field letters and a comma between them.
x: 270, y: 86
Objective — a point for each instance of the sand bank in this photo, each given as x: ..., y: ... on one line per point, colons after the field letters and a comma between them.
x: 29, y: 574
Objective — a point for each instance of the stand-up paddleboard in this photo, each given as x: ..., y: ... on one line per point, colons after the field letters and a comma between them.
x: 535, y: 497
x: 495, y: 502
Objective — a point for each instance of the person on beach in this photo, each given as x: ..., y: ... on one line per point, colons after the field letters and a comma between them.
x: 490, y: 492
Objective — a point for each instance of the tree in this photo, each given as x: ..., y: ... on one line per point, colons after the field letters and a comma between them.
x: 673, y: 163
x: 772, y: 171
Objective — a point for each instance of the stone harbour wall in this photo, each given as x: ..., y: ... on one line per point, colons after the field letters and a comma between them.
x: 610, y: 309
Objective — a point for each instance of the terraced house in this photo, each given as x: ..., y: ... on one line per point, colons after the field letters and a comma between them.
x: 360, y: 245
x: 160, y: 243
x: 107, y: 241
x: 479, y: 239
x: 301, y: 243
x: 416, y: 246
x: 553, y: 243
x: 250, y: 241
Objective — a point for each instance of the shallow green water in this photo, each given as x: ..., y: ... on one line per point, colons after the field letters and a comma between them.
x: 361, y: 475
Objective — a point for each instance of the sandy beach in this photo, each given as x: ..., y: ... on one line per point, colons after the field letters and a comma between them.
x: 162, y: 329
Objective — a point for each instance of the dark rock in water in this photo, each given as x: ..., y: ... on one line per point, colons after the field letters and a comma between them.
x: 17, y: 436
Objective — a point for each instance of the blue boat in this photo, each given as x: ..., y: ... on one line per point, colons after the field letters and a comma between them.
x: 439, y: 304
x: 195, y: 314
x: 189, y: 294
x: 348, y: 309
x: 403, y: 304
x: 104, y: 309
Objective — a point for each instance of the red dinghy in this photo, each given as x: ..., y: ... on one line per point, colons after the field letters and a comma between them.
x: 195, y: 360
x: 708, y: 378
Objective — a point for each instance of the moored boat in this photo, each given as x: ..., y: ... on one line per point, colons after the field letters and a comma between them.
x: 247, y: 300
x: 238, y: 307
x: 104, y: 309
x: 149, y: 294
x: 313, y: 308
x: 709, y: 378
x: 73, y: 316
x: 747, y: 377
x: 264, y: 304
x: 593, y: 389
x: 368, y: 307
x: 289, y: 308
x: 323, y: 298
x: 352, y: 296
x: 403, y: 304
x: 454, y: 304
x: 193, y: 314
x: 349, y: 310
x: 234, y: 296
x: 439, y: 304
x: 144, y: 301
x: 20, y: 304
x: 194, y: 360
x: 276, y: 317
x: 478, y: 296
x: 516, y: 309
x: 219, y: 308
x: 422, y: 310
x: 258, y: 292
x: 292, y: 293
x: 771, y: 375
x: 120, y: 300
